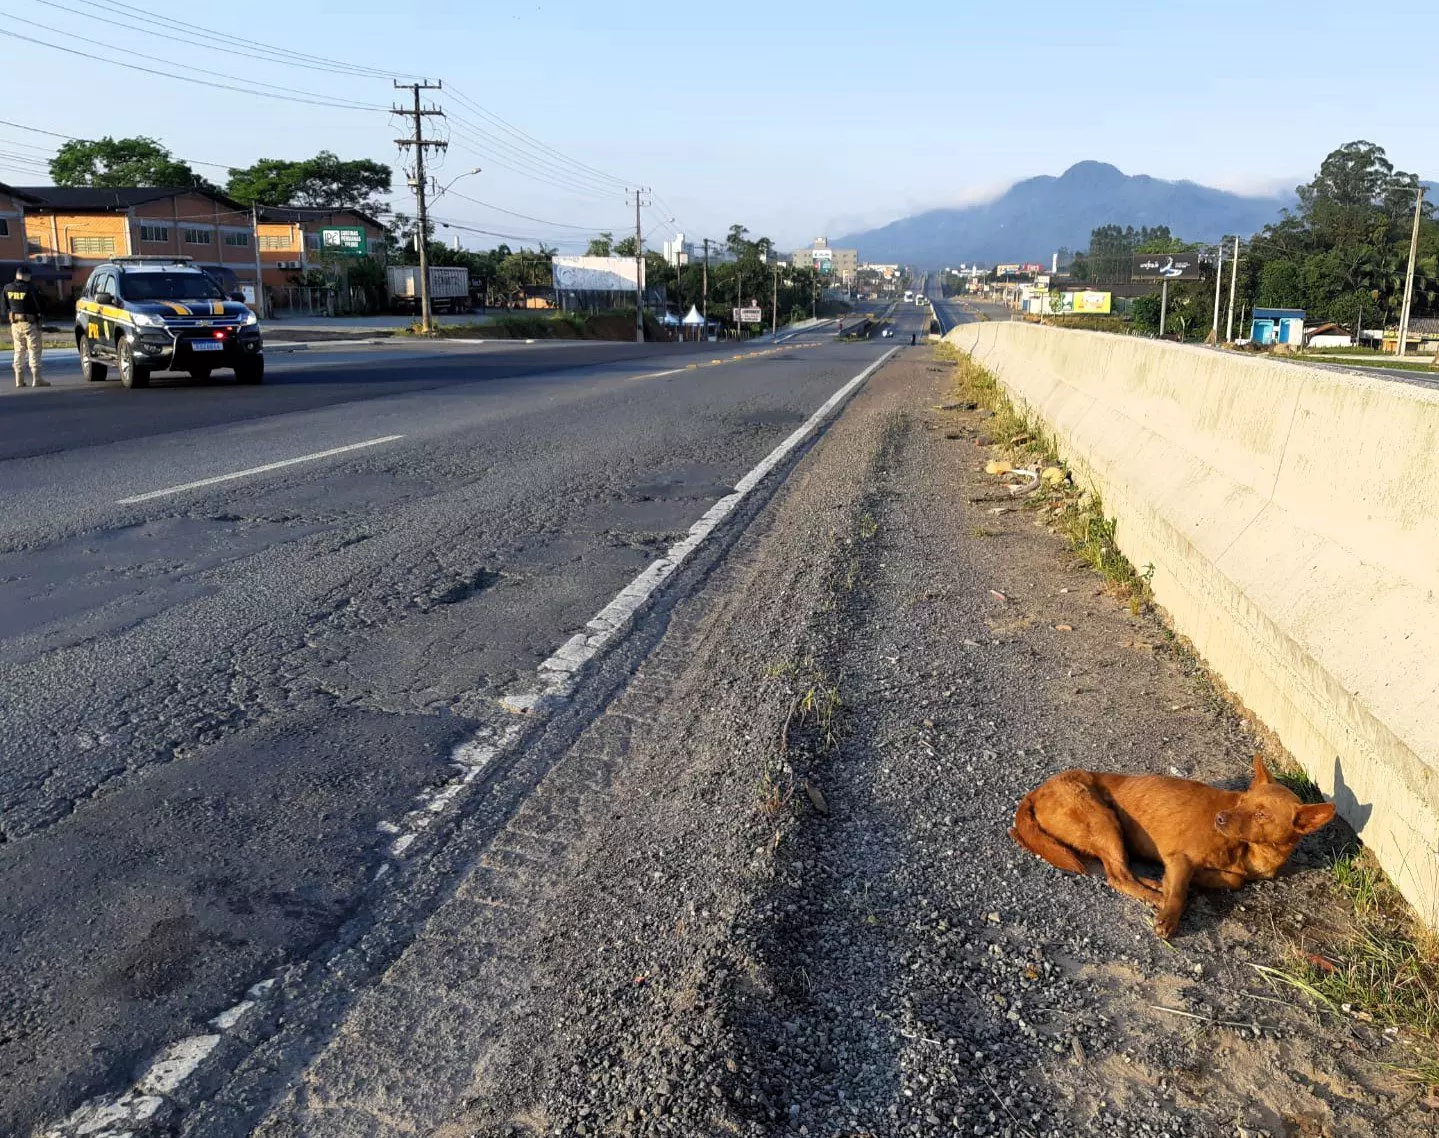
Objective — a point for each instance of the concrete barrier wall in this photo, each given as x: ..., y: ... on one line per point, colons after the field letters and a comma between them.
x: 1291, y: 516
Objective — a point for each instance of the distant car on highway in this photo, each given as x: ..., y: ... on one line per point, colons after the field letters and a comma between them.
x: 886, y: 333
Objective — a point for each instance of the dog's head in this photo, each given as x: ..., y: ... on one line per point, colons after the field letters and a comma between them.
x: 1271, y: 819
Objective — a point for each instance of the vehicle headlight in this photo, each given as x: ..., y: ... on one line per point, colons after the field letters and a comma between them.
x: 249, y: 318
x: 148, y: 320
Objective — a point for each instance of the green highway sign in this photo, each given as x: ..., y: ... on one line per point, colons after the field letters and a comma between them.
x: 344, y: 240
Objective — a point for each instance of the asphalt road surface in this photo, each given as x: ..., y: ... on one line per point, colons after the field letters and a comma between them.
x: 222, y: 670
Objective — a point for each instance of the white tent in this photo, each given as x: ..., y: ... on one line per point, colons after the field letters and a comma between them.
x: 693, y: 317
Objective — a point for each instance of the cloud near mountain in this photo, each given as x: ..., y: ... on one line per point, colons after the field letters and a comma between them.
x: 1037, y: 216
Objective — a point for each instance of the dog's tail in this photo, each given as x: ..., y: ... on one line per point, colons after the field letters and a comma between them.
x: 1028, y: 833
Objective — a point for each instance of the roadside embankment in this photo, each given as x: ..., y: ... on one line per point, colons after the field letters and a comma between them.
x: 1287, y: 514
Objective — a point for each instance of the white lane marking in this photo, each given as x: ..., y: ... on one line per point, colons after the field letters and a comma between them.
x: 124, y: 1115
x: 255, y: 470
x: 117, y: 1115
x: 557, y: 674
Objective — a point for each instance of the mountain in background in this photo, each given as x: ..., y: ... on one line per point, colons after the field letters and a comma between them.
x: 1036, y: 217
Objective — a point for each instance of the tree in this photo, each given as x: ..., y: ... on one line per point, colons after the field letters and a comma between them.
x: 736, y: 242
x: 1111, y: 251
x: 1346, y: 247
x: 325, y: 181
x: 1281, y: 285
x: 602, y: 246
x: 120, y: 162
x: 625, y: 247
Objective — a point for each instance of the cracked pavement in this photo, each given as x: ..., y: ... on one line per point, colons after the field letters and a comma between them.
x: 213, y: 700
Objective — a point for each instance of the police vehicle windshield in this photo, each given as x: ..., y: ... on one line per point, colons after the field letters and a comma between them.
x: 171, y: 286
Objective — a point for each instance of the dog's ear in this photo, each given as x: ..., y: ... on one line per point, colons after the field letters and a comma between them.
x: 1307, y: 819
x: 1261, y: 772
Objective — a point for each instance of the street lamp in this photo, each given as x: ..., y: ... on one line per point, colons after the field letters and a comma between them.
x: 441, y: 192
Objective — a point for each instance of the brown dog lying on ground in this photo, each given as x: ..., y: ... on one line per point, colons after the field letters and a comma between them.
x: 1212, y: 838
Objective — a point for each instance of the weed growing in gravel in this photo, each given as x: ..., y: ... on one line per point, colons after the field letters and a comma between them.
x: 1382, y: 967
x: 1091, y: 535
x: 809, y: 733
x: 1078, y: 515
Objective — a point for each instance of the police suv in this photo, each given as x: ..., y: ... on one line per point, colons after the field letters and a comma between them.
x: 149, y: 314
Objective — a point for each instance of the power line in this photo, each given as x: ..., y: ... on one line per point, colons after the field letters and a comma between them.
x: 354, y: 103
x: 194, y: 38
x: 480, y: 136
x: 527, y: 217
x: 518, y: 164
x: 526, y: 155
x: 534, y: 144
x: 76, y: 138
x: 285, y: 56
x: 318, y: 101
x: 487, y: 232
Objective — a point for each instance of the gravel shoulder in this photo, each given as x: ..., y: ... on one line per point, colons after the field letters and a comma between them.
x: 769, y: 889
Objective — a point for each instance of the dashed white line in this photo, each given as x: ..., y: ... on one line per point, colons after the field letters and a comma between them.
x: 130, y: 501
x: 123, y: 1115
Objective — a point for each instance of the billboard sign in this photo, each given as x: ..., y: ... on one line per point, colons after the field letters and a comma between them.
x: 752, y: 315
x: 1007, y: 270
x: 1166, y: 267
x: 344, y: 241
x: 596, y: 274
x: 1032, y: 268
x: 1097, y: 303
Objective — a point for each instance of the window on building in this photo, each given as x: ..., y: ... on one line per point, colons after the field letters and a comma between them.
x: 237, y: 238
x: 198, y: 237
x: 4, y: 227
x: 275, y: 241
x: 92, y: 246
x: 154, y: 232
x: 312, y: 241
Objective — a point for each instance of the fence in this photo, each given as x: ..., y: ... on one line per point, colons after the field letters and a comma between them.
x: 305, y: 300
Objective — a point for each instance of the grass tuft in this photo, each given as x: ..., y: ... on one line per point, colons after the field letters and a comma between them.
x: 1380, y: 967
x: 1077, y: 515
x: 1299, y: 781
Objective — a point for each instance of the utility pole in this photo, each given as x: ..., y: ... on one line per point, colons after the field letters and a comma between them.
x: 738, y: 301
x: 774, y: 304
x: 259, y: 273
x: 705, y: 291
x: 1218, y: 284
x: 421, y: 144
x: 1163, y: 305
x: 639, y: 267
x: 1409, y: 274
x: 1233, y: 286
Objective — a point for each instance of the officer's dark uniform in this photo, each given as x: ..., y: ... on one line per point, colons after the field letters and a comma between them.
x: 22, y: 307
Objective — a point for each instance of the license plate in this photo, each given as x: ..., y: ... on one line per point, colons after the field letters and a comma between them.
x: 206, y: 346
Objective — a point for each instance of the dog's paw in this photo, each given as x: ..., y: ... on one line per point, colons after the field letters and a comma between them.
x: 1165, y: 926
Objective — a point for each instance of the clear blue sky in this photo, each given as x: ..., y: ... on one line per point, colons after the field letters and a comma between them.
x: 813, y: 118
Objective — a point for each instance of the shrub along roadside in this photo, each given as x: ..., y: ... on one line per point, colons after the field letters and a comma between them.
x: 548, y: 326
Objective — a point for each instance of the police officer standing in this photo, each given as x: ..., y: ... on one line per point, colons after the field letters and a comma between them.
x: 22, y: 306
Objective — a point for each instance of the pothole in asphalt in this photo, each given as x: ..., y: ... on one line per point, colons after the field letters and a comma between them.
x: 461, y: 590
